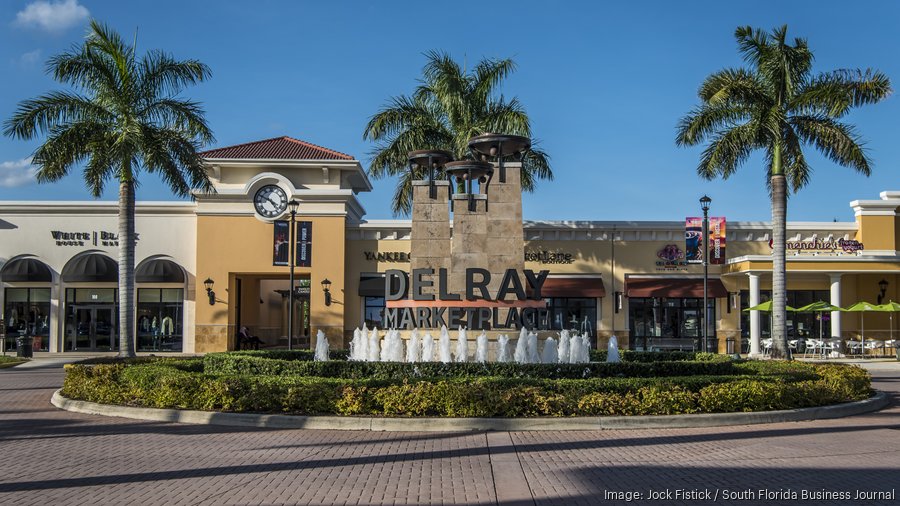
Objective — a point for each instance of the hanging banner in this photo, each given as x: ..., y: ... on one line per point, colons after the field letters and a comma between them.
x: 304, y: 244
x: 280, y: 254
x: 693, y: 239
x: 717, y: 240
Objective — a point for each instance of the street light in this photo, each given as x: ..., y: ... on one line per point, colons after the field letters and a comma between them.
x: 704, y: 205
x: 208, y: 284
x: 292, y: 205
x: 326, y: 287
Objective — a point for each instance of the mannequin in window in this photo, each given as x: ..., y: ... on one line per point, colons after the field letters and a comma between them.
x: 145, y: 324
x: 168, y: 326
x: 246, y: 341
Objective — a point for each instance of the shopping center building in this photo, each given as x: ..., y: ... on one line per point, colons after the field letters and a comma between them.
x: 211, y: 266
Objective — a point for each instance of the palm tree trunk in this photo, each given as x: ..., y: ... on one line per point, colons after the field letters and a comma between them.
x: 779, y: 231
x: 127, y: 242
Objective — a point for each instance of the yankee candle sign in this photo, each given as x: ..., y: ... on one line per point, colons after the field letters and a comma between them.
x: 408, y: 306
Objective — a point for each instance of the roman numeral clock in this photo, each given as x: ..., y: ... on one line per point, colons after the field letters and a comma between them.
x: 270, y: 201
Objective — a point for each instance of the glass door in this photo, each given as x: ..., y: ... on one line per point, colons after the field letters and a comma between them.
x: 93, y: 328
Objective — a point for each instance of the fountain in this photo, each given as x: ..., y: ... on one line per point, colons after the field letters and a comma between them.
x: 503, y: 349
x: 428, y: 348
x: 481, y: 348
x: 532, y: 348
x: 414, y: 347
x: 550, y: 354
x: 521, y: 354
x: 444, y: 346
x: 372, y: 352
x: 462, y: 346
x: 563, y: 349
x: 321, y: 353
x: 612, y: 350
x: 392, y: 348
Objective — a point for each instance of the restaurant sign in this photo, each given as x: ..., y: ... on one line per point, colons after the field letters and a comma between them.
x: 845, y: 245
x: 670, y: 258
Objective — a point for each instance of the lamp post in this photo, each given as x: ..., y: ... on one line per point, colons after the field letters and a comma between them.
x: 292, y: 205
x: 704, y: 205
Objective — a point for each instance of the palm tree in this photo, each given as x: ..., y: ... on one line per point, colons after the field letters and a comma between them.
x: 779, y: 106
x: 123, y: 116
x: 450, y: 106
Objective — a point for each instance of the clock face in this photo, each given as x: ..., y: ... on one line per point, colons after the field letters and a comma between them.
x: 270, y: 201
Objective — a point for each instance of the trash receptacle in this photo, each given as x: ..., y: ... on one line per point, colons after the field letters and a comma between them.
x: 729, y: 346
x: 24, y: 346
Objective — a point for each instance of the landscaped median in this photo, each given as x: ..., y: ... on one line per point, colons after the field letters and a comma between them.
x: 6, y: 361
x: 291, y: 383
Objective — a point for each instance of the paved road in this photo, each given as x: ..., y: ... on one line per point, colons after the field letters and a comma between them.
x: 48, y: 456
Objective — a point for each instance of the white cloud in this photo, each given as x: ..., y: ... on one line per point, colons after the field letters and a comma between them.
x: 17, y: 173
x: 31, y: 57
x: 52, y: 16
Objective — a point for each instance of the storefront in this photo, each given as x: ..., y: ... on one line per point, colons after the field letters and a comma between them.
x: 204, y: 269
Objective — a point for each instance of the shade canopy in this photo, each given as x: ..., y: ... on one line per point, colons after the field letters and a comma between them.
x: 890, y: 307
x: 673, y: 287
x: 159, y: 270
x: 91, y: 268
x: 818, y: 307
x: 766, y: 307
x: 26, y: 269
x: 861, y: 306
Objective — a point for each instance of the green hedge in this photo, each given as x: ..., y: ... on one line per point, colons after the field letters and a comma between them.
x: 232, y: 363
x: 173, y: 385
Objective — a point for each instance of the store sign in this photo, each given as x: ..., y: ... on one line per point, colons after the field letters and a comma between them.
x: 671, y: 258
x: 408, y: 305
x: 387, y: 256
x: 693, y: 239
x: 85, y: 238
x: 549, y: 257
x: 845, y: 245
x: 304, y: 244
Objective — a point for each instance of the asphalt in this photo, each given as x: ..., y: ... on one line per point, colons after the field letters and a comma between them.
x: 51, y: 456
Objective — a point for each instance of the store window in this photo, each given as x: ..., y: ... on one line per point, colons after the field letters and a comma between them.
x: 159, y: 319
x: 27, y: 313
x: 373, y: 315
x: 660, y: 323
x: 577, y: 314
x: 799, y: 325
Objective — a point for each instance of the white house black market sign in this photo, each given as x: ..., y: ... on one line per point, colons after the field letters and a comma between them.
x: 85, y: 238
x: 408, y: 306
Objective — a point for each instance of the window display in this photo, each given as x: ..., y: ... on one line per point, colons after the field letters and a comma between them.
x: 159, y: 317
x: 27, y: 313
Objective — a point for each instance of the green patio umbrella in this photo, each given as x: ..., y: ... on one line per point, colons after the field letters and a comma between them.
x: 891, y: 307
x: 818, y: 307
x: 862, y: 307
x: 766, y: 307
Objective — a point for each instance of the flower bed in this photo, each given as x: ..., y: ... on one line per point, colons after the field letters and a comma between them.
x: 456, y: 390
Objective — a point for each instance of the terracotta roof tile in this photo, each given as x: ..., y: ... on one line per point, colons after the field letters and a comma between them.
x: 278, y: 148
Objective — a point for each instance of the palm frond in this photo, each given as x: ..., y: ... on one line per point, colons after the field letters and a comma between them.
x: 43, y: 114
x: 707, y: 119
x: 488, y: 76
x: 836, y: 140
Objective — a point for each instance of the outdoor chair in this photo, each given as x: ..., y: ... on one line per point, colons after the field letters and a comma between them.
x: 813, y: 347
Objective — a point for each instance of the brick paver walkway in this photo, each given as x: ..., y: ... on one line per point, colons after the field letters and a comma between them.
x: 48, y: 456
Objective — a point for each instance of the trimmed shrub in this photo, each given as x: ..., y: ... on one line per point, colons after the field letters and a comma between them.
x: 231, y: 363
x: 176, y: 384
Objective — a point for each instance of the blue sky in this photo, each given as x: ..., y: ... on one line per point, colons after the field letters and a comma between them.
x: 604, y: 84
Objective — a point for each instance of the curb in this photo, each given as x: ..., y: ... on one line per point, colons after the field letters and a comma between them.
x: 875, y: 403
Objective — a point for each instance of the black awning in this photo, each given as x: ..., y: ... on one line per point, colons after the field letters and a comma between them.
x: 25, y: 269
x: 159, y: 270
x: 91, y: 268
x: 371, y: 286
x: 673, y: 287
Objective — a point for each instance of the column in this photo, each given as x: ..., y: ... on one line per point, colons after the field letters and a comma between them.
x: 754, y: 315
x: 835, y: 301
x: 56, y: 316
